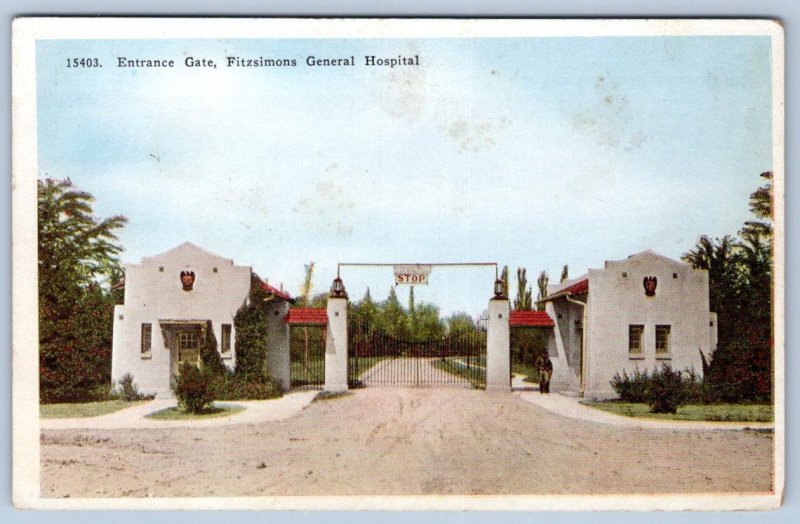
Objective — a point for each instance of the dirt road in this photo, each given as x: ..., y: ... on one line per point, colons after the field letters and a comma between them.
x: 405, y: 441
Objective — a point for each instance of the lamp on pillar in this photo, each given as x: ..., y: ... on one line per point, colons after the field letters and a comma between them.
x: 337, y: 289
x: 500, y: 290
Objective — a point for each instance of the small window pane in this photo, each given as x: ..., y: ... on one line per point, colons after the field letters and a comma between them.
x: 662, y: 339
x: 635, y: 332
x: 226, y: 339
x: 147, y: 336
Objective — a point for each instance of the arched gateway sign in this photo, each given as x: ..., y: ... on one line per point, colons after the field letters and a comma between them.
x: 358, y: 353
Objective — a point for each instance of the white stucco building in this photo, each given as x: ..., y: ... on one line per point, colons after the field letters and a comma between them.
x: 176, y: 300
x: 634, y: 313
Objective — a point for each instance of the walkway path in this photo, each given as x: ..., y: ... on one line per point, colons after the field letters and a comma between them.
x: 134, y: 417
x: 571, y: 407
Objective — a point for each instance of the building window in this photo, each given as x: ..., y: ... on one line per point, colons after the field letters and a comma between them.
x: 226, y: 340
x: 635, y: 332
x: 662, y: 340
x: 188, y: 346
x: 147, y: 339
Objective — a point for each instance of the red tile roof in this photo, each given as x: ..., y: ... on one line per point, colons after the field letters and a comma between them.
x: 530, y: 319
x: 307, y: 316
x: 578, y: 288
x: 275, y: 291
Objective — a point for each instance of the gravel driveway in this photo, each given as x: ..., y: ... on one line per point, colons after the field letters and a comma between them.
x: 405, y: 441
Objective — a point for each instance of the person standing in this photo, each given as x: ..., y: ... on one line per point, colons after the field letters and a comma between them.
x: 545, y: 368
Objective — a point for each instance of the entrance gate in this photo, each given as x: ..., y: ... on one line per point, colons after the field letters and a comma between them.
x: 376, y: 358
x: 307, y: 350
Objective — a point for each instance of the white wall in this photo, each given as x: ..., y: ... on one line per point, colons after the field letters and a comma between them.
x: 616, y: 301
x: 153, y: 295
x: 279, y: 365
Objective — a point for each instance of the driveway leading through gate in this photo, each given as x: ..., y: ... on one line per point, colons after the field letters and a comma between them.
x: 414, y: 372
x: 405, y: 441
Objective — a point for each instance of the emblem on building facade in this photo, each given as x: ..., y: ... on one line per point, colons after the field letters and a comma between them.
x: 187, y: 280
x: 650, y: 284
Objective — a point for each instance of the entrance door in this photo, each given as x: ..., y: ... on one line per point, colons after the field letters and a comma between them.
x: 185, y: 347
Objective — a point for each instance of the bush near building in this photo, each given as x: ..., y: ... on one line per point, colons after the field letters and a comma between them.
x: 193, y: 388
x: 664, y: 390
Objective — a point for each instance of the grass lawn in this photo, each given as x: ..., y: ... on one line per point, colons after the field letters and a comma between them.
x: 698, y: 412
x: 476, y: 375
x: 84, y: 409
x: 526, y: 369
x: 175, y: 413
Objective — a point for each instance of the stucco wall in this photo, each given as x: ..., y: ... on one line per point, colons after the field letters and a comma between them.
x: 154, y: 294
x: 617, y: 299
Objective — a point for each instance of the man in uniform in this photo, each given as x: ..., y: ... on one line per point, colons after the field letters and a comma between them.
x: 545, y: 368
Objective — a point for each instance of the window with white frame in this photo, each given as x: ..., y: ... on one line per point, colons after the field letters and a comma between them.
x: 635, y: 332
x: 662, y: 339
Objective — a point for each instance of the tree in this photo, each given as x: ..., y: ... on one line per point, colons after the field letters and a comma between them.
x: 564, y: 274
x: 740, y: 292
x: 77, y: 265
x: 542, y: 282
x: 459, y: 322
x: 524, y: 300
x: 394, y: 319
x: 428, y: 325
x: 412, y: 312
x: 305, y: 291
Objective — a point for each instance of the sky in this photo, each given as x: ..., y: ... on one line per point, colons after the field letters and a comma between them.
x: 534, y: 152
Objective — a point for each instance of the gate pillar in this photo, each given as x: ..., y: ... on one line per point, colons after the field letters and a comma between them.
x: 498, y: 346
x: 336, y: 340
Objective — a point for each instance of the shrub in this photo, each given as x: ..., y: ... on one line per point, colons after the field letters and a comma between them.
x: 741, y: 370
x: 667, y: 390
x: 193, y: 388
x: 664, y: 390
x: 127, y: 390
x: 631, y: 388
x: 241, y: 386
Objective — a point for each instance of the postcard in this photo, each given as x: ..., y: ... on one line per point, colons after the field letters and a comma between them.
x: 398, y: 264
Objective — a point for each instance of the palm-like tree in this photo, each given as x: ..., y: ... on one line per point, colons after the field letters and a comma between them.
x: 305, y: 291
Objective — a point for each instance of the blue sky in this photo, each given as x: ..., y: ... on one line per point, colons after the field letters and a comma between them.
x: 532, y: 152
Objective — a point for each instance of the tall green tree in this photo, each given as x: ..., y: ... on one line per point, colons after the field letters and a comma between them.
x: 459, y: 322
x: 504, y: 278
x: 541, y: 283
x: 524, y: 300
x: 305, y: 292
x: 394, y: 318
x: 740, y: 292
x: 428, y: 325
x: 412, y: 311
x: 78, y: 262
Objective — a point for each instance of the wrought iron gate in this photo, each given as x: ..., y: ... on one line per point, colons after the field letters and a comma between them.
x: 376, y: 358
x: 307, y: 350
